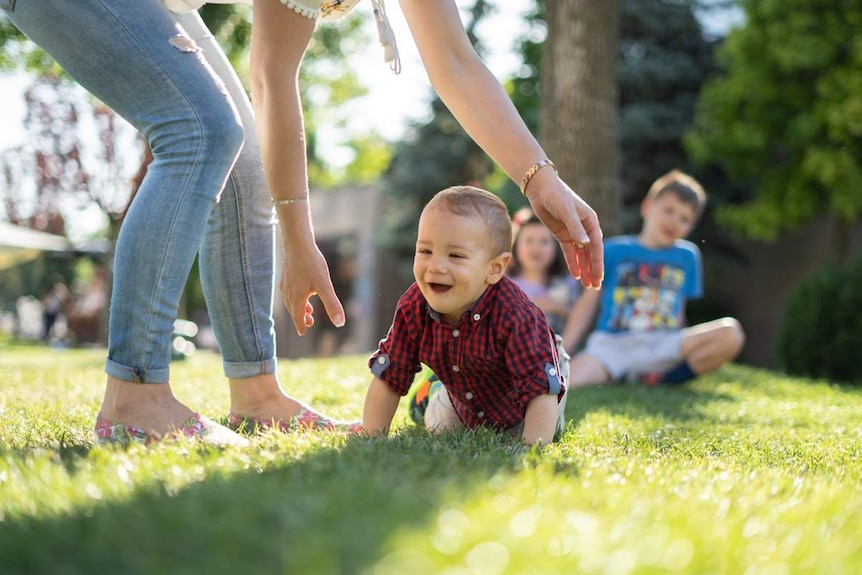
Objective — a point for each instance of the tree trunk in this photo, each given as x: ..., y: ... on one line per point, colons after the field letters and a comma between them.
x: 578, y: 121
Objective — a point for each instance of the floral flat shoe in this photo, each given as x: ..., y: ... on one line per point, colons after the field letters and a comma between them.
x: 197, y: 427
x: 305, y: 419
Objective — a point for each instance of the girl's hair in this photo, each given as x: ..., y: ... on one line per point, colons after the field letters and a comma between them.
x: 470, y: 201
x: 524, y: 218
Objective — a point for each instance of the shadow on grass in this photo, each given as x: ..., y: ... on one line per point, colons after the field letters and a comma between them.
x: 682, y: 403
x: 335, y: 510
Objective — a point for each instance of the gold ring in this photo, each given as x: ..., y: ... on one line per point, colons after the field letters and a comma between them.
x: 579, y: 245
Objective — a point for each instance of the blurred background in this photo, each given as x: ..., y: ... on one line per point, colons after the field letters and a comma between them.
x: 761, y: 100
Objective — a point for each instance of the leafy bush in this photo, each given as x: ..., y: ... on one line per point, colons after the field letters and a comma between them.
x: 822, y: 331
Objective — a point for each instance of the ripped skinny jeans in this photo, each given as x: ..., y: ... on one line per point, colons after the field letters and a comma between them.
x: 204, y: 192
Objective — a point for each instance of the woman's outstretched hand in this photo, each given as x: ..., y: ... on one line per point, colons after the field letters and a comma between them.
x: 306, y: 274
x: 575, y: 225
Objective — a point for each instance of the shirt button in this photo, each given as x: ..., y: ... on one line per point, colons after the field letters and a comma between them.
x: 456, y: 333
x: 476, y: 317
x: 456, y: 369
x: 469, y: 395
x: 381, y: 360
x: 481, y: 414
x: 552, y: 371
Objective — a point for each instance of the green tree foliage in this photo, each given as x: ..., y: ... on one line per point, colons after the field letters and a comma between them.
x: 523, y: 88
x: 665, y: 57
x: 372, y: 156
x: 439, y: 154
x: 18, y: 53
x: 326, y: 83
x: 435, y: 155
x: 786, y: 115
x: 231, y: 28
x: 664, y: 60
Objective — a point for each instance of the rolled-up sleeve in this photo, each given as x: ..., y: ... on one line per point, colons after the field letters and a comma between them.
x: 396, y: 360
x: 532, y: 358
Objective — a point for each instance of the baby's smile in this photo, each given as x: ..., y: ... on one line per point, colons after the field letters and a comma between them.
x: 439, y: 288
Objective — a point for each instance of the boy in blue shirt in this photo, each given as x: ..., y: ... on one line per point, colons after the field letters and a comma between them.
x: 640, y: 333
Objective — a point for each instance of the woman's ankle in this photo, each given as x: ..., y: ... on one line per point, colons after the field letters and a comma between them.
x: 148, y: 406
x: 261, y: 397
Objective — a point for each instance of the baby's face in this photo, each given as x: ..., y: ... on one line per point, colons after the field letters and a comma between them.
x: 452, y: 263
x: 666, y: 219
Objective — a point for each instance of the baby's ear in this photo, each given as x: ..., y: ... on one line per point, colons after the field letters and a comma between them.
x: 498, y: 266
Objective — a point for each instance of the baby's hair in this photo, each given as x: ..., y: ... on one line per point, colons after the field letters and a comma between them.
x: 686, y: 188
x: 523, y: 218
x: 471, y: 201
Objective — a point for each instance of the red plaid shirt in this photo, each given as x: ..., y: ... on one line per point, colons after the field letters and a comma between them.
x: 499, y: 357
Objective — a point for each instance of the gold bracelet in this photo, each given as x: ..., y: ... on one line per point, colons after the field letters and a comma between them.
x: 288, y: 202
x: 532, y: 172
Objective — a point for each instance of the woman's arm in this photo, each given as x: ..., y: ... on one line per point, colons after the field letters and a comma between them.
x: 279, y: 39
x: 483, y: 108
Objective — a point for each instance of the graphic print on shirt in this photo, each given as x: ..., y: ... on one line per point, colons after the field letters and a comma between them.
x: 646, y: 297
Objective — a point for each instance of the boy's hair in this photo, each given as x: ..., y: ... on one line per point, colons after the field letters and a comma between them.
x: 470, y: 201
x: 523, y: 218
x: 686, y: 188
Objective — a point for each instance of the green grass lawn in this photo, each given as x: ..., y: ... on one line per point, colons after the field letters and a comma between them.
x: 744, y: 472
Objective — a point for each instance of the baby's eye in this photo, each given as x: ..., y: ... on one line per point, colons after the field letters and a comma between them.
x: 456, y: 256
x: 423, y: 251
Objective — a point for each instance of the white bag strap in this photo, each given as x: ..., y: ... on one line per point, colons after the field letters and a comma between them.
x: 337, y: 9
x: 386, y: 36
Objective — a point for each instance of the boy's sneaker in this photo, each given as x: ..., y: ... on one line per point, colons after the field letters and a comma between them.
x: 421, y: 392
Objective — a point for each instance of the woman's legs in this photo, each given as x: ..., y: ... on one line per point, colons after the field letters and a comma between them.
x: 237, y: 257
x: 237, y: 261
x: 132, y: 55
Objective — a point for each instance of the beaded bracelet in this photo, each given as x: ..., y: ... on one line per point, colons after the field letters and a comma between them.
x: 532, y: 172
x: 288, y: 202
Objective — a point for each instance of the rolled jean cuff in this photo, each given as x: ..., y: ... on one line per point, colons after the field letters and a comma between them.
x: 244, y: 369
x: 136, y: 374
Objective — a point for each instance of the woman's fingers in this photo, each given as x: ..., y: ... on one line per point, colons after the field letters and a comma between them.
x: 576, y: 226
x: 297, y: 288
x: 332, y: 305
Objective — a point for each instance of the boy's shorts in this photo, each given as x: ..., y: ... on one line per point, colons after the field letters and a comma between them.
x: 628, y: 353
